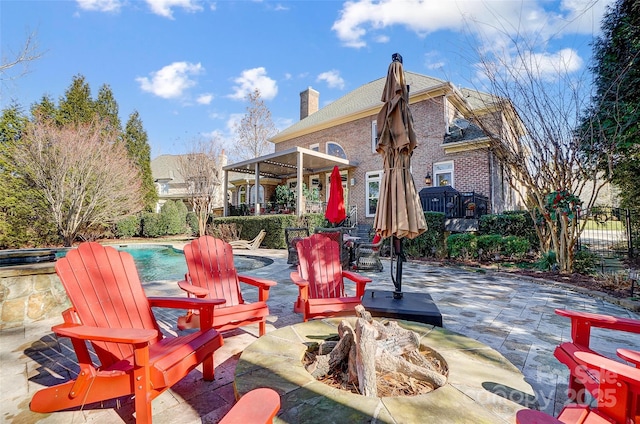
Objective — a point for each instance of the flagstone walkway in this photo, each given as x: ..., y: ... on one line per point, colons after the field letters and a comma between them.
x: 512, y: 315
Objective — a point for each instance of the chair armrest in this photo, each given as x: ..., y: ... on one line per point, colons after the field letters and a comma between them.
x: 100, y: 334
x: 360, y: 280
x: 581, y: 323
x: 193, y: 290
x: 629, y: 355
x: 609, y: 368
x: 184, y: 302
x: 303, y: 286
x: 257, y: 281
x: 353, y: 276
x: 301, y: 282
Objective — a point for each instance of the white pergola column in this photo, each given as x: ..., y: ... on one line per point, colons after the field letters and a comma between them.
x: 300, y: 163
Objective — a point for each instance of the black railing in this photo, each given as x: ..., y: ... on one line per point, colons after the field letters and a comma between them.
x: 452, y: 203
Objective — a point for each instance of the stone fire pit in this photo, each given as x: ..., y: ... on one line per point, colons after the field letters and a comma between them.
x: 482, y: 386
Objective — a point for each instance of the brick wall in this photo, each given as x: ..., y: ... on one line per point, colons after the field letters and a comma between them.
x: 471, y: 167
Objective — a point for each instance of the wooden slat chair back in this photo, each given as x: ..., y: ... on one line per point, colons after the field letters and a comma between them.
x: 212, y: 274
x: 320, y: 279
x: 104, y: 287
x: 337, y: 234
x: 112, y: 312
x: 321, y: 267
x: 211, y: 267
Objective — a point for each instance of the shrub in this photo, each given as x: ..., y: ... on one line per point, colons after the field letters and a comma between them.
x: 515, y: 247
x: 463, y: 245
x: 173, y: 217
x: 192, y: 223
x: 547, y: 261
x: 585, y: 262
x: 489, y: 245
x: 151, y: 225
x: 429, y: 243
x: 128, y: 227
x: 513, y: 223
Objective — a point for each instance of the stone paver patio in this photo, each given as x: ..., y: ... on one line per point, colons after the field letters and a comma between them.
x: 510, y: 315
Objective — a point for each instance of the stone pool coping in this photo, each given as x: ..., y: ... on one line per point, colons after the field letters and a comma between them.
x: 482, y: 386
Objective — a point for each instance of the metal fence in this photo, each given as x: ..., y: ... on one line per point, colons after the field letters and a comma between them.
x: 613, y: 234
x: 453, y: 203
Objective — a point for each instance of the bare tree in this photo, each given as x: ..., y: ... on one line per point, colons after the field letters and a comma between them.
x: 82, y: 172
x: 255, y: 129
x: 200, y: 169
x: 532, y: 118
x: 27, y: 53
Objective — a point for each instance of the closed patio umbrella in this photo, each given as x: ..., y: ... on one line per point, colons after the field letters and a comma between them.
x: 399, y: 213
x: 336, y: 212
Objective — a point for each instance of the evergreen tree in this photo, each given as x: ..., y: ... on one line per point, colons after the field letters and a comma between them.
x: 46, y: 109
x: 21, y: 207
x: 107, y: 108
x: 613, y: 119
x: 77, y: 106
x: 139, y: 151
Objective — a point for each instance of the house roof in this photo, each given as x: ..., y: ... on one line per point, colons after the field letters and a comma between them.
x: 166, y: 168
x: 366, y: 100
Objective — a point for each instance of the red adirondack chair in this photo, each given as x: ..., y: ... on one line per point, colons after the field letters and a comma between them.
x: 320, y: 280
x: 111, y: 310
x: 212, y: 274
x: 614, y: 386
x: 617, y: 395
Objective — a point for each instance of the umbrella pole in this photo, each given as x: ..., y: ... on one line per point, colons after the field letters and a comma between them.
x: 397, y: 283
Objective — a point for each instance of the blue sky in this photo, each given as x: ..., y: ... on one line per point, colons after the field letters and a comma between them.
x: 187, y: 65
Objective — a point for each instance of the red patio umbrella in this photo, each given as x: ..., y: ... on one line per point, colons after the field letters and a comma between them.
x: 399, y: 212
x: 335, y: 212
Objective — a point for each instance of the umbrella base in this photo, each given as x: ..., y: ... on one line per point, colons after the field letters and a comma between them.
x: 417, y: 307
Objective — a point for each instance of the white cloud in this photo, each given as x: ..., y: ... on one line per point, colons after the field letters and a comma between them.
x: 204, y: 99
x: 249, y: 80
x: 164, y: 7
x: 100, y: 5
x: 332, y: 78
x: 549, y: 19
x: 172, y: 80
x: 550, y: 65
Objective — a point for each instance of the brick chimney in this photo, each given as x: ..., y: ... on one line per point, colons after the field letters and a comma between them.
x: 309, y: 102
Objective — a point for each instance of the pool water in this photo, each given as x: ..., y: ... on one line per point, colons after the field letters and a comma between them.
x: 157, y: 262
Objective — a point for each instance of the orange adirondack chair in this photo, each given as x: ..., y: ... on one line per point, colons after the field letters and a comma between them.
x: 320, y: 280
x: 111, y: 310
x: 212, y: 274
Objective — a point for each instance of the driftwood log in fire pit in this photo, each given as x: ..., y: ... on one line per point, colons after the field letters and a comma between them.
x: 375, y: 354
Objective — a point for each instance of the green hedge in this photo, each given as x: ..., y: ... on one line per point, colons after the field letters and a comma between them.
x: 431, y: 242
x: 274, y: 225
x: 513, y: 223
x: 487, y: 247
x: 128, y: 227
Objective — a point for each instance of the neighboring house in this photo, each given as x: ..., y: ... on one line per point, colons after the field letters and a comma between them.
x: 171, y: 185
x: 451, y: 151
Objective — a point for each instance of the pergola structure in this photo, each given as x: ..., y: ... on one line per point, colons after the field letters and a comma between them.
x: 295, y: 162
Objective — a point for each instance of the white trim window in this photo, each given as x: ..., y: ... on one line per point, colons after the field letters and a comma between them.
x: 315, y: 147
x: 374, y: 136
x: 372, y: 192
x: 443, y: 174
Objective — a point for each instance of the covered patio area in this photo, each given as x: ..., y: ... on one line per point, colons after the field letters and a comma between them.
x: 290, y: 167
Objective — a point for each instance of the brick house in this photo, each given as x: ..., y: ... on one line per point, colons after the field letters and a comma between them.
x: 452, y: 151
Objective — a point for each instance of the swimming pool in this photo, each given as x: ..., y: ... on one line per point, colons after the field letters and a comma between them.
x: 161, y: 262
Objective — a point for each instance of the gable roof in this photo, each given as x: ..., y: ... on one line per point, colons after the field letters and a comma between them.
x: 167, y: 167
x: 364, y: 100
